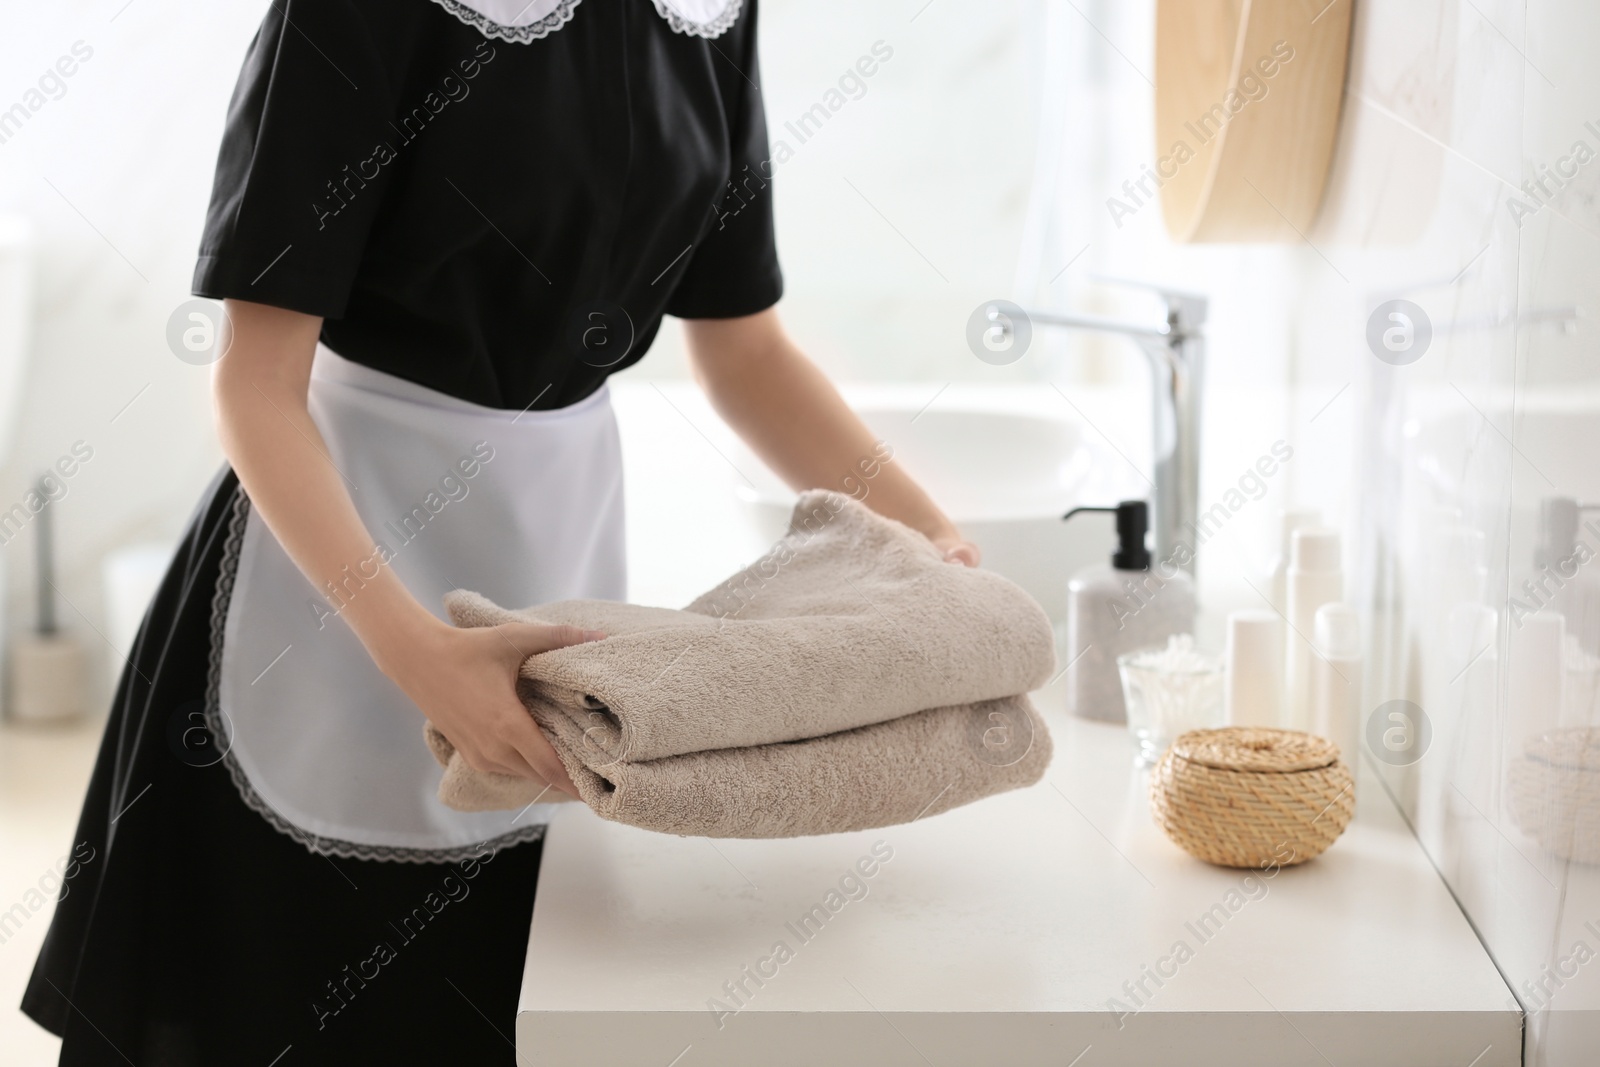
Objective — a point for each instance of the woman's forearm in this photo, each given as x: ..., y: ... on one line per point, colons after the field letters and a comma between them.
x: 259, y: 389
x: 795, y: 420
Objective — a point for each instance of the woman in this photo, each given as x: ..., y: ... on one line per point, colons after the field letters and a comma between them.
x: 437, y: 226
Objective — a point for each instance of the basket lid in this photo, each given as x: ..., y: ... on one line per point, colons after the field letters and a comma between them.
x: 1256, y: 748
x: 1574, y: 748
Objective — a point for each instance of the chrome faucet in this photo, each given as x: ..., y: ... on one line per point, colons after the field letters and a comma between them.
x: 1177, y: 355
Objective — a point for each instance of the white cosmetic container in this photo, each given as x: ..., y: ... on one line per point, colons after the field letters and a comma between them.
x: 1314, y: 579
x: 1253, y: 662
x: 1336, y: 679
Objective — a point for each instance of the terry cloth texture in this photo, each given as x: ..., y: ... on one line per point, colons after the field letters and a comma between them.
x: 850, y: 678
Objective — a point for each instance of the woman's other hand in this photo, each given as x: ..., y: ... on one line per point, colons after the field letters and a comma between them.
x: 957, y: 549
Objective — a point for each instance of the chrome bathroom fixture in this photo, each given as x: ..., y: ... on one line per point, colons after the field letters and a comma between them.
x: 1176, y: 353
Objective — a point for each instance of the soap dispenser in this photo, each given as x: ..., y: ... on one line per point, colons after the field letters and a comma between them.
x: 1119, y: 608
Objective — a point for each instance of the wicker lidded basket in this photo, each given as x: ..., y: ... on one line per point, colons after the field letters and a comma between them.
x: 1249, y: 796
x: 1555, y: 792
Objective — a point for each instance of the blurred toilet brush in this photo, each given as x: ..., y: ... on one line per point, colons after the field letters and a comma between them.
x: 47, y: 666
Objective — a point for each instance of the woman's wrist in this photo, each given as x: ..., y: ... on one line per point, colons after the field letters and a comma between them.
x: 393, y: 629
x: 933, y: 524
x: 940, y: 529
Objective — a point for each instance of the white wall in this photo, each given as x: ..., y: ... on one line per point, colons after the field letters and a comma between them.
x: 907, y: 209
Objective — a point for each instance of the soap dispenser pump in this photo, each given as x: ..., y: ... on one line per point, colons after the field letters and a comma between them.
x: 1119, y: 608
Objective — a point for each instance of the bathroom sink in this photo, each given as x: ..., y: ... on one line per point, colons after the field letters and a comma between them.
x: 1004, y: 463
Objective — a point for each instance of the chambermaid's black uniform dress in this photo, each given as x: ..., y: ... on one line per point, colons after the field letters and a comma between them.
x: 491, y: 203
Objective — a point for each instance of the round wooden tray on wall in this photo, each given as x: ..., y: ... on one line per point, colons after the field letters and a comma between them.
x: 1248, y: 94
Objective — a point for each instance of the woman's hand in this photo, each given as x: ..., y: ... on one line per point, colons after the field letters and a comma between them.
x: 957, y: 549
x: 464, y: 680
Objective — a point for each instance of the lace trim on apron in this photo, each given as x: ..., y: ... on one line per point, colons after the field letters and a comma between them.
x: 222, y: 735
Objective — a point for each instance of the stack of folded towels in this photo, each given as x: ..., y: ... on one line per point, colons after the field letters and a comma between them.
x: 849, y: 678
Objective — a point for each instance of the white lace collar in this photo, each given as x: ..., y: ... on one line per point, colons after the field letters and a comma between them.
x: 521, y: 21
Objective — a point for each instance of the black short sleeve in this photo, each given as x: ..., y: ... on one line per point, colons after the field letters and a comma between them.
x: 734, y: 267
x: 302, y: 167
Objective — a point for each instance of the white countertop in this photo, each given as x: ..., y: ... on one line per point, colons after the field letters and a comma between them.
x: 998, y: 933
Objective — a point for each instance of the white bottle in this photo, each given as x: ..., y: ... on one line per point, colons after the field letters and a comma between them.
x: 1134, y: 603
x: 1289, y: 520
x: 1313, y: 579
x: 1336, y: 679
x: 1253, y: 662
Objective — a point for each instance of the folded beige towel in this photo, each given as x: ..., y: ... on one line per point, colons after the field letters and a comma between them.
x: 850, y: 678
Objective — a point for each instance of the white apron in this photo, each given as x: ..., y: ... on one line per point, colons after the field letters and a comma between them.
x: 521, y: 507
